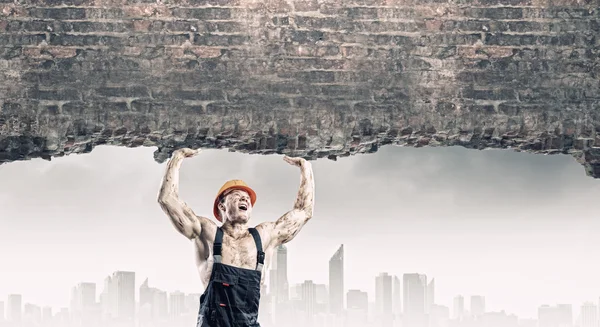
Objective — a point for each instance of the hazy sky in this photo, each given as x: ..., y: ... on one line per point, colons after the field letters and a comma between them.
x: 520, y: 229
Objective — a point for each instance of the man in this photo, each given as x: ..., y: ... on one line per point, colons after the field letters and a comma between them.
x: 231, y: 258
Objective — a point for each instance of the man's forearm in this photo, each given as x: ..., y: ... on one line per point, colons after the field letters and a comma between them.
x: 170, y: 184
x: 306, y: 193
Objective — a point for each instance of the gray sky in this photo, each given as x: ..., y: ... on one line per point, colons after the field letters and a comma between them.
x: 520, y: 229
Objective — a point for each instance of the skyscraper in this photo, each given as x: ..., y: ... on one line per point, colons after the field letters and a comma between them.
x: 176, y: 304
x: 336, y: 282
x: 108, y: 301
x: 1, y: 311
x: 589, y: 315
x: 430, y: 295
x: 555, y: 316
x: 283, y: 289
x: 415, y: 297
x: 83, y: 304
x: 125, y: 287
x: 356, y: 299
x: 383, y: 299
x: 383, y: 294
x: 146, y: 293
x: 47, y: 316
x: 14, y: 308
x: 396, y: 296
x: 477, y: 305
x: 159, y: 305
x: 415, y: 286
x: 357, y: 304
x: 309, y: 298
x: 459, y: 307
x: 32, y: 314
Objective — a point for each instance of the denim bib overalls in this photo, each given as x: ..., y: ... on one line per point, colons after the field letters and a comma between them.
x: 232, y: 296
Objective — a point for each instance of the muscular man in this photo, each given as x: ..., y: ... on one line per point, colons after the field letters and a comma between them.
x: 231, y: 258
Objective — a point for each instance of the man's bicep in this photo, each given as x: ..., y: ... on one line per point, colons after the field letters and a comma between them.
x: 288, y: 226
x: 208, y: 229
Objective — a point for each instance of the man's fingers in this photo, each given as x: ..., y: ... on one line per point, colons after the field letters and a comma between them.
x: 293, y: 161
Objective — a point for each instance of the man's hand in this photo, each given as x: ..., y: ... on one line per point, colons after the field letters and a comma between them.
x: 295, y: 161
x: 186, y: 152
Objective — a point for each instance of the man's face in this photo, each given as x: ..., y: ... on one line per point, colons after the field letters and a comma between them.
x: 236, y: 206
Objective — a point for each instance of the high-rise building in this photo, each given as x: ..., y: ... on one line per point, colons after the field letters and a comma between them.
x: 438, y: 315
x: 383, y: 299
x: 32, y: 314
x: 2, y: 311
x: 459, y: 307
x: 14, y: 308
x: 321, y: 294
x: 415, y: 297
x: 83, y: 304
x: 477, y: 305
x: 146, y: 293
x: 159, y: 305
x: 283, y: 288
x: 47, y: 316
x: 125, y: 287
x: 357, y: 306
x: 296, y: 292
x: 555, y: 316
x: 383, y: 294
x: 108, y: 301
x: 430, y: 300
x: 589, y: 315
x: 336, y: 282
x: 309, y: 298
x: 396, y: 296
x: 176, y: 304
x: 356, y: 299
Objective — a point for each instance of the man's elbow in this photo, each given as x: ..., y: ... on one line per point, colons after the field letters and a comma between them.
x: 165, y: 201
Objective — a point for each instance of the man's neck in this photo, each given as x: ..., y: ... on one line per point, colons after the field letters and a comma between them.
x: 234, y: 229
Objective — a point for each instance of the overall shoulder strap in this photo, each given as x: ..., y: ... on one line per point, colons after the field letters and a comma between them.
x: 217, y: 245
x: 260, y: 259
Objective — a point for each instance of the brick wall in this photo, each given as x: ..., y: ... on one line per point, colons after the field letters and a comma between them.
x: 317, y: 78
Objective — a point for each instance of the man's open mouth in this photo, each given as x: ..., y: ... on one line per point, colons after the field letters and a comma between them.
x: 243, y: 207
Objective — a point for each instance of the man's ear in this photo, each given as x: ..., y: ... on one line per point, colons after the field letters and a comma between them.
x: 222, y: 206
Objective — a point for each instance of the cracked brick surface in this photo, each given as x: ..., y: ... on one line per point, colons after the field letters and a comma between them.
x: 302, y: 77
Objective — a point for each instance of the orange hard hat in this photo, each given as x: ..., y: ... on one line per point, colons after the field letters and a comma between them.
x: 234, y: 184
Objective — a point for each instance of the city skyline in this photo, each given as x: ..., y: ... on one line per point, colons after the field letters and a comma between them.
x: 121, y: 299
x: 482, y: 222
x: 384, y: 300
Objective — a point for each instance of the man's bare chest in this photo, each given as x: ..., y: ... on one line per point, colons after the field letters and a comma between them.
x: 240, y: 253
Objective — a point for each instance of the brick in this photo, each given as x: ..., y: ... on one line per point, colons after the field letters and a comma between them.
x: 124, y: 91
x: 221, y: 40
x: 58, y: 13
x: 511, y: 39
x: 454, y: 39
x: 21, y: 39
x: 151, y: 38
x: 224, y: 27
x: 105, y: 13
x: 57, y: 94
x: 485, y: 52
x: 203, y: 13
x: 490, y: 94
x: 86, y: 40
x: 146, y: 10
x: 495, y: 13
x: 199, y: 95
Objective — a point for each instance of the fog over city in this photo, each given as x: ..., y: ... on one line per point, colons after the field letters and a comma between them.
x: 518, y: 230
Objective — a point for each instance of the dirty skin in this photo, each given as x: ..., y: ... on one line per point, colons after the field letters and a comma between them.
x: 235, y: 207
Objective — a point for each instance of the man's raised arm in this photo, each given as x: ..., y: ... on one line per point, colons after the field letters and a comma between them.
x: 287, y: 226
x: 182, y: 216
